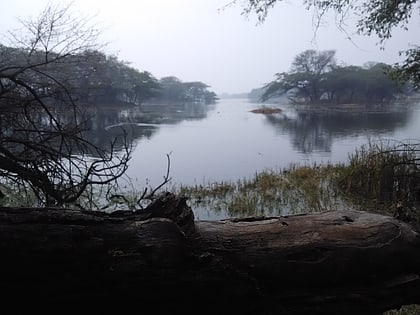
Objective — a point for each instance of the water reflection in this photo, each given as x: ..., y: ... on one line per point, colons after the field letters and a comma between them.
x: 315, y: 131
x: 226, y: 142
x: 108, y: 123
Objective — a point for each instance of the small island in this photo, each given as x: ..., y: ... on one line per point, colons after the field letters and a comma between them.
x: 267, y: 110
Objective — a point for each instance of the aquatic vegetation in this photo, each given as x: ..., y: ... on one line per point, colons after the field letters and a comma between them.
x: 296, y: 189
x: 381, y: 177
x: 383, y: 174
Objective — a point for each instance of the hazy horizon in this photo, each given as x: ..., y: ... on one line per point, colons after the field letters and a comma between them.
x: 217, y: 45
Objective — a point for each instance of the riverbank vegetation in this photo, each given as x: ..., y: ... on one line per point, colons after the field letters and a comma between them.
x: 92, y: 77
x: 316, y: 78
x: 383, y: 176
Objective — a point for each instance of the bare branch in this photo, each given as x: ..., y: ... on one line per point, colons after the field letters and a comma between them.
x: 43, y: 147
x: 166, y: 179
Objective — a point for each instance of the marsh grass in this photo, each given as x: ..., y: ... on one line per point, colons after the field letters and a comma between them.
x: 12, y: 196
x: 382, y: 175
x: 296, y: 189
x: 405, y: 310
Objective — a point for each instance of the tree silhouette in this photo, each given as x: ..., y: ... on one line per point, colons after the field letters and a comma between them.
x: 42, y: 144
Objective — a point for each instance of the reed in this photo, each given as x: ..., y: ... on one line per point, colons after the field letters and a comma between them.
x: 382, y: 174
x: 296, y: 189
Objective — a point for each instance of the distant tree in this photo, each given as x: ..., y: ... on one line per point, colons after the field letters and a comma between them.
x: 256, y: 94
x: 42, y: 144
x: 377, y: 85
x: 210, y: 97
x: 195, y: 91
x: 315, y: 77
x: 343, y: 84
x: 144, y: 86
x: 104, y: 78
x: 173, y: 90
x: 305, y: 78
x: 374, y: 17
x: 369, y: 84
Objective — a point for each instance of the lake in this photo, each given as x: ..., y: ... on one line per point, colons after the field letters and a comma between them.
x: 230, y: 142
x: 227, y: 142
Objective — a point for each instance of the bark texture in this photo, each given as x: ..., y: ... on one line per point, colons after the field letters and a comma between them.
x: 161, y: 259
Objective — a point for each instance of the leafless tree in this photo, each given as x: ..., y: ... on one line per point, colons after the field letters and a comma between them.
x: 42, y: 125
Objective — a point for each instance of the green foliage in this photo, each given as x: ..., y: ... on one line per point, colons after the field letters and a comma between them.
x: 304, y: 79
x: 315, y: 78
x: 314, y: 62
x: 373, y: 17
x: 101, y: 78
x: 92, y: 77
x: 409, y: 71
x: 89, y: 76
x: 381, y: 17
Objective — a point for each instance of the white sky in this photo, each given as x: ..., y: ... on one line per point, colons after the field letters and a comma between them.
x: 196, y: 41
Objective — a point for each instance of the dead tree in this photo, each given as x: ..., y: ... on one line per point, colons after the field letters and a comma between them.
x: 160, y: 258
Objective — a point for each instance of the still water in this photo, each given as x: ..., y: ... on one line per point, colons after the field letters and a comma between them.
x: 227, y: 142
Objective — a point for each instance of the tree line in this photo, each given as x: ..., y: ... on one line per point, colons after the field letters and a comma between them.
x: 93, y: 77
x: 106, y: 79
x: 315, y: 77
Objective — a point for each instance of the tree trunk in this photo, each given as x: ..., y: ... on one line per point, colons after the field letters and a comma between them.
x: 336, y: 262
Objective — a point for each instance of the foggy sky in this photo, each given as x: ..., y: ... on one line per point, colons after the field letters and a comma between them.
x: 197, y: 40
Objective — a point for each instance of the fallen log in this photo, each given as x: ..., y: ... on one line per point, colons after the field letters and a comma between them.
x: 160, y: 258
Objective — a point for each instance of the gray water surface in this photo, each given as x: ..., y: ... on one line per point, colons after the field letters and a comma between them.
x: 230, y: 142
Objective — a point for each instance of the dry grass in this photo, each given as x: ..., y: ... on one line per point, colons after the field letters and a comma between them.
x: 271, y: 192
x: 405, y: 310
x: 383, y: 174
x: 377, y: 178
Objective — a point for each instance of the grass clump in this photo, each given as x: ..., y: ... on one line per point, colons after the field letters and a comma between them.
x: 405, y: 310
x: 383, y: 175
x: 270, y: 192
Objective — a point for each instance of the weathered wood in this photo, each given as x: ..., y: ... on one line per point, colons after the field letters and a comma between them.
x: 337, y: 262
